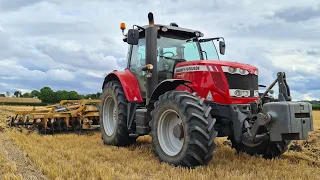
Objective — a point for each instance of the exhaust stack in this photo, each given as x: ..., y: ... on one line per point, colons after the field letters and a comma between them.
x: 151, y: 35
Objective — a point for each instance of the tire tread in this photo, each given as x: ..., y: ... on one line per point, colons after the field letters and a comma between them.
x: 122, y: 137
x: 201, y: 132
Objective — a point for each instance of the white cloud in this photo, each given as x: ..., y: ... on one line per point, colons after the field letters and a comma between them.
x: 308, y: 96
x: 91, y: 85
x: 23, y: 90
x: 61, y: 74
x: 58, y: 44
x: 95, y: 74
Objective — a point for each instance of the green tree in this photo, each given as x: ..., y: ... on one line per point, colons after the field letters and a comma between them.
x: 34, y: 93
x: 62, y: 95
x: 73, y: 95
x: 47, y: 95
x: 26, y: 95
x: 93, y: 96
x: 98, y: 95
x: 17, y: 93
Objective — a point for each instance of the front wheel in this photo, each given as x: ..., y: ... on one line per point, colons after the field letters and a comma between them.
x: 182, y: 130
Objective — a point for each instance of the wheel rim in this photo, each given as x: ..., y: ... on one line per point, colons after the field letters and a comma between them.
x: 109, y: 115
x: 169, y: 143
x: 251, y: 143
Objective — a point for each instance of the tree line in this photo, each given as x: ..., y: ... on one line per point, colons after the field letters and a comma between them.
x: 47, y: 95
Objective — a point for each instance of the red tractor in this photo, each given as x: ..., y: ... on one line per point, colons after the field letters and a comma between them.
x: 177, y: 90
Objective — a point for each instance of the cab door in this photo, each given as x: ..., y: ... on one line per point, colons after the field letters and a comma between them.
x: 136, y: 61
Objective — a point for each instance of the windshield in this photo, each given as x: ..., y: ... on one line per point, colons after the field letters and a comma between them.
x: 185, y: 49
x: 177, y: 49
x: 169, y: 48
x: 209, y: 50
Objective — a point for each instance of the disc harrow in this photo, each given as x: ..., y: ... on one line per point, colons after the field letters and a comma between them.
x: 68, y: 115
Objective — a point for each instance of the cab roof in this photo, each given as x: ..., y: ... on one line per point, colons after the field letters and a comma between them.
x: 172, y: 29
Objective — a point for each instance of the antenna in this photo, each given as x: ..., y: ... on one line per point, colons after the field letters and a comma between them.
x: 162, y: 15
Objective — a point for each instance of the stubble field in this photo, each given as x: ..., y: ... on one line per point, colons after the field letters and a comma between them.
x: 20, y: 100
x: 71, y: 156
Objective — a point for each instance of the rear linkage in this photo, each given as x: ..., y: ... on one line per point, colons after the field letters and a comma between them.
x: 287, y: 116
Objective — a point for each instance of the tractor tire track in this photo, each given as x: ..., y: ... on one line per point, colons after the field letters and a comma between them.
x: 24, y: 166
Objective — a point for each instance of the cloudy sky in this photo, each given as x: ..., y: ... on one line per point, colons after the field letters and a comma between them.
x: 73, y: 44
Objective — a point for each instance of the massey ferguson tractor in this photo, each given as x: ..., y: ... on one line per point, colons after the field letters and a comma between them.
x: 177, y: 90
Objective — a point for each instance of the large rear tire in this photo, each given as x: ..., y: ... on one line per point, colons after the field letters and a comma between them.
x: 113, y: 114
x: 182, y: 130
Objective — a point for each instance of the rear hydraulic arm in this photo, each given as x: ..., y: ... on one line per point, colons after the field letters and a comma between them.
x: 284, y: 91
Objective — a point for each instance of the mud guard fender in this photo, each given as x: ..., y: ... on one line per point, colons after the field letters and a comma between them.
x: 129, y: 84
x: 166, y: 85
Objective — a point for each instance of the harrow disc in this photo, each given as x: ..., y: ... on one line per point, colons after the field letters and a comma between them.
x: 56, y: 126
x: 40, y: 128
x: 63, y: 125
x: 76, y: 125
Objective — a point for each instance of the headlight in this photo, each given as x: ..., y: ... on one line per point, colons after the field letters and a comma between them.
x: 240, y: 93
x: 237, y: 93
x: 243, y: 71
x: 164, y: 29
x: 246, y: 93
x: 232, y: 70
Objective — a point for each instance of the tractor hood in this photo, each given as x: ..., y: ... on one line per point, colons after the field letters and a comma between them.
x: 212, y: 65
x: 226, y: 82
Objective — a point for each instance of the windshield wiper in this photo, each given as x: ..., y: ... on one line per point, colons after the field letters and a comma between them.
x: 172, y: 58
x: 191, y: 39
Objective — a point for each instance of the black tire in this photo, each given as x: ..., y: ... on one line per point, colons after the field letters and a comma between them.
x: 198, y: 127
x: 56, y: 126
x: 120, y: 135
x: 268, y: 149
x: 76, y: 125
x: 40, y: 128
x: 63, y: 125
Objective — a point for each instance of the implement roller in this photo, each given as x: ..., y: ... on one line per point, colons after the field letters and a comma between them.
x: 68, y: 115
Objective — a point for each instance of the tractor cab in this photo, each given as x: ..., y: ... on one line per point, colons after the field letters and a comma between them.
x: 174, y: 45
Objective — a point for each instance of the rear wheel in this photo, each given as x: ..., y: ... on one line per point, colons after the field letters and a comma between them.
x: 182, y: 130
x: 113, y: 122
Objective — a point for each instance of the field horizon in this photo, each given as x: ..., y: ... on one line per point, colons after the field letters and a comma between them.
x: 20, y: 100
x: 73, y: 156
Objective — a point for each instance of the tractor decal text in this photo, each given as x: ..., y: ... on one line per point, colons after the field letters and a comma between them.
x: 190, y: 69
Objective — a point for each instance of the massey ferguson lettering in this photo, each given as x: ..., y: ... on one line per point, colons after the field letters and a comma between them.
x: 190, y: 69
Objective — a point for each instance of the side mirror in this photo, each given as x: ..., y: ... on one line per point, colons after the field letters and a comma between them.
x: 222, y: 47
x: 133, y: 36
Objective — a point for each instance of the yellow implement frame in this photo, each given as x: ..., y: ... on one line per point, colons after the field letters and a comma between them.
x: 64, y: 116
